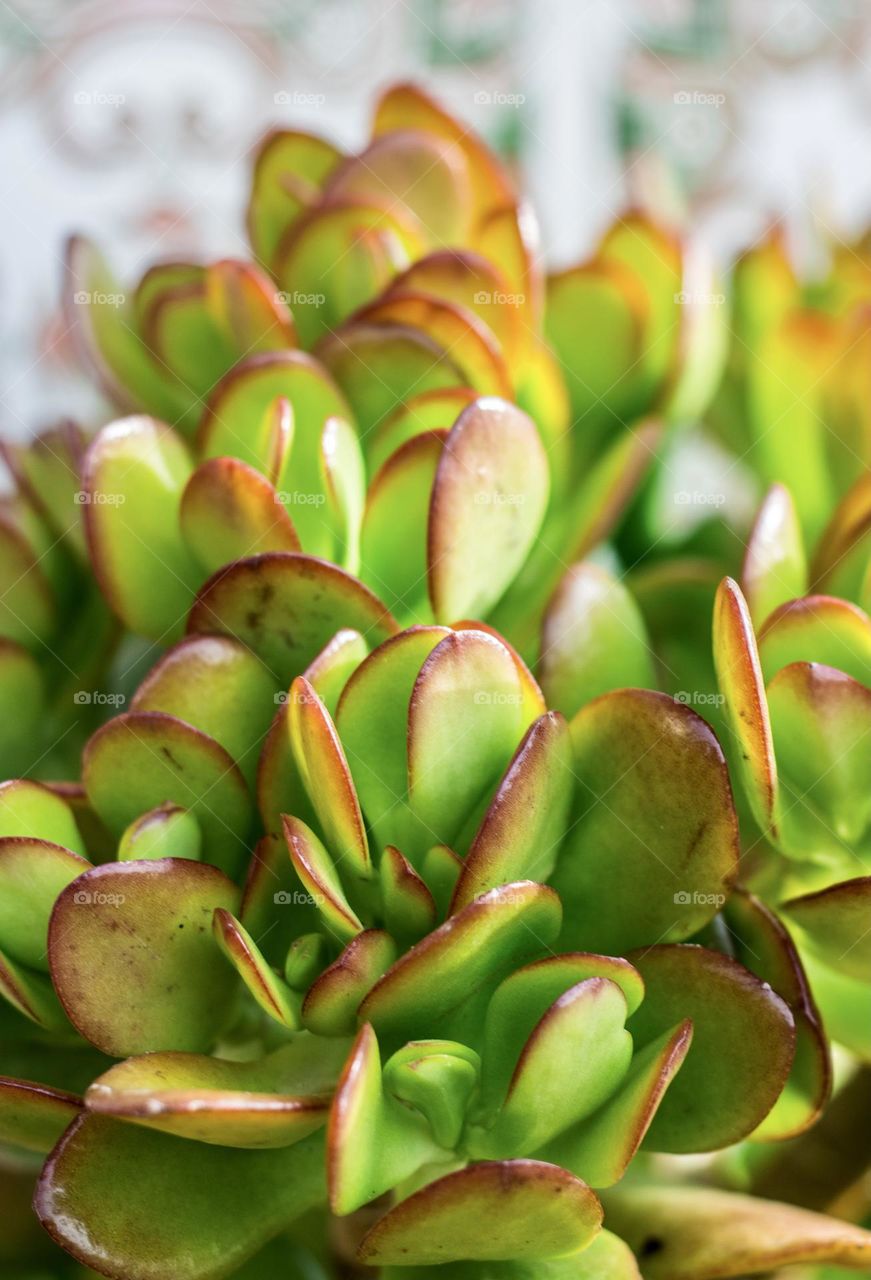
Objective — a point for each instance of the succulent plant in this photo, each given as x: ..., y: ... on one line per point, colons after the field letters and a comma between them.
x: 352, y: 948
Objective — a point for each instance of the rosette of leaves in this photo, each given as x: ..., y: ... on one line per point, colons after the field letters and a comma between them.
x: 797, y: 696
x: 361, y: 1020
x: 794, y: 402
x: 276, y: 471
x: 56, y: 635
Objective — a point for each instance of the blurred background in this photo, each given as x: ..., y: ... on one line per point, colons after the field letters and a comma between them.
x: 136, y: 121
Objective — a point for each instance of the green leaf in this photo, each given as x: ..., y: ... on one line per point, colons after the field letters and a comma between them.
x: 466, y: 715
x: 836, y: 924
x: 488, y: 502
x: 372, y: 721
x: 228, y: 510
x: 32, y: 874
x: 574, y: 1059
x: 474, y: 949
x: 273, y: 1101
x: 33, y: 1116
x: 107, y: 1184
x: 599, y: 1148
x: 133, y: 958
x: 762, y: 944
x: 218, y: 686
x: 289, y: 170
x: 527, y: 818
x: 393, y: 538
x: 430, y: 411
x: 374, y: 1142
x: 319, y: 875
x: 740, y: 679
x: 271, y: 992
x: 142, y: 759
x: 165, y: 832
x: 742, y: 1049
x: 132, y: 479
x: 817, y: 629
x: 324, y: 770
x: 820, y: 720
x: 504, y: 1209
x: 653, y: 846
x: 593, y: 640
x: 29, y: 809
x: 285, y: 607
x: 775, y: 567
x: 699, y: 1233
x: 332, y: 1003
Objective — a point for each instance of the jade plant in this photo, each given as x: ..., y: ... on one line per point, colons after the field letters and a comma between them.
x: 468, y: 885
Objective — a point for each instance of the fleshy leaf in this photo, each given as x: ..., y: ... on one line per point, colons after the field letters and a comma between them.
x: 575, y: 1057
x: 133, y: 958
x: 817, y: 629
x: 740, y: 679
x: 775, y: 567
x: 218, y: 686
x: 820, y: 719
x: 527, y: 818
x: 742, y: 1049
x: 485, y: 1212
x: 132, y: 479
x: 271, y: 1102
x: 489, y: 499
x: 107, y: 1183
x: 33, y: 1116
x: 631, y: 872
x: 319, y: 876
x: 229, y: 510
x: 374, y: 1142
x: 32, y: 874
x: 600, y: 1148
x: 165, y: 832
x: 593, y: 640
x: 699, y: 1233
x: 324, y: 771
x: 409, y: 907
x: 430, y: 411
x: 146, y: 758
x: 331, y: 1005
x: 271, y: 992
x: 476, y: 947
x: 763, y: 945
x: 836, y: 925
x: 285, y: 607
x: 289, y: 171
